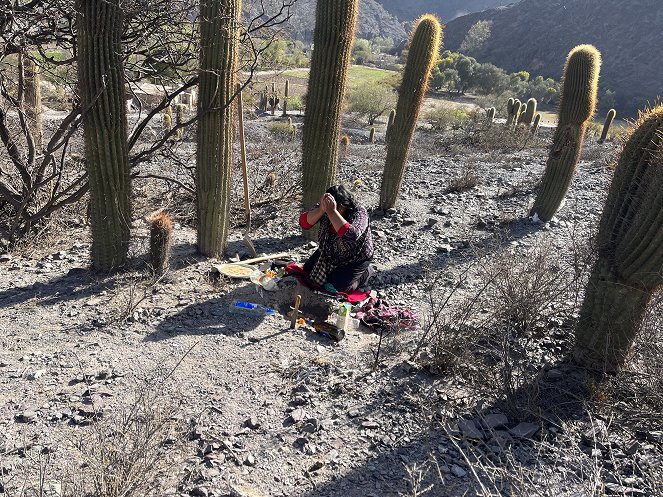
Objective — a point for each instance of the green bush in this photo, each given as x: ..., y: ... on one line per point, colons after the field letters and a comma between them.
x: 295, y: 103
x: 371, y: 100
x: 443, y: 118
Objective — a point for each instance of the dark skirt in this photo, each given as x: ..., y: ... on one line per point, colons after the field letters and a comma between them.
x: 346, y: 278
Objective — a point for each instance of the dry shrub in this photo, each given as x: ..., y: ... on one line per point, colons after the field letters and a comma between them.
x: 467, y: 180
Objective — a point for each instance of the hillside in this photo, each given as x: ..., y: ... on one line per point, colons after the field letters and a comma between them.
x: 446, y: 10
x: 536, y: 35
x: 374, y: 20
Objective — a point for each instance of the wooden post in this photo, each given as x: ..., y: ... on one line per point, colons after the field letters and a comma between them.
x: 245, y: 172
x: 295, y: 313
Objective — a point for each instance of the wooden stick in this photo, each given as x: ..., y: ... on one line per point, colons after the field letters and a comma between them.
x: 242, y: 148
x: 265, y: 258
x: 295, y: 313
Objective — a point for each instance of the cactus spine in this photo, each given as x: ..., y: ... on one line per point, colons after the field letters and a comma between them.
x: 422, y: 55
x: 219, y: 35
x: 371, y: 135
x: 576, y: 107
x: 101, y: 84
x: 612, y: 113
x: 286, y: 94
x: 32, y: 100
x: 335, y: 23
x: 161, y: 234
x: 537, y: 123
x: 629, y: 267
x: 527, y: 117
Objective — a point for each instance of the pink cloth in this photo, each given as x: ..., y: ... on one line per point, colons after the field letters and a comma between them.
x: 298, y: 272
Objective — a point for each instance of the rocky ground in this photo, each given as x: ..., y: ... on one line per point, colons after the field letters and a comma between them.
x: 154, y: 387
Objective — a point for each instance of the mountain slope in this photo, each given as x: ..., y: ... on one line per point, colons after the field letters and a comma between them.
x: 374, y: 20
x: 446, y: 9
x: 536, y: 35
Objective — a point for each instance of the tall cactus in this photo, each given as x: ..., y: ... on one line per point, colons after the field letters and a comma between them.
x: 612, y: 113
x: 101, y: 85
x: 576, y: 108
x: 527, y: 116
x: 32, y: 100
x: 422, y: 54
x: 629, y: 267
x: 286, y: 94
x: 219, y: 36
x: 335, y: 24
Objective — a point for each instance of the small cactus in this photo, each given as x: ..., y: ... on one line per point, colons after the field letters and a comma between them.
x: 290, y: 122
x: 612, y: 113
x: 371, y: 135
x: 32, y: 100
x: 527, y: 117
x: 576, y: 108
x: 537, y: 123
x: 513, y: 117
x: 629, y: 267
x: 167, y: 123
x: 509, y: 106
x: 345, y: 145
x: 286, y: 94
x: 179, y: 120
x: 161, y: 234
x: 390, y: 122
x: 422, y: 54
x: 490, y: 113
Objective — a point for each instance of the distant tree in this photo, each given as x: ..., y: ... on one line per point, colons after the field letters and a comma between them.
x: 476, y: 37
x: 382, y: 44
x: 466, y: 67
x: 371, y: 100
x: 362, y: 51
x: 490, y: 79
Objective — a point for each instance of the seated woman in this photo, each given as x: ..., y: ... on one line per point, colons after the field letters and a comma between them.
x: 345, y: 247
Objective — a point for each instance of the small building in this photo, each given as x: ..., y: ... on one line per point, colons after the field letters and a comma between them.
x: 149, y: 95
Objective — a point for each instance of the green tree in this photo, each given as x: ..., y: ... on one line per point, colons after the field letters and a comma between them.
x: 371, y: 100
x: 466, y: 67
x: 362, y: 51
x: 490, y: 79
x: 382, y: 44
x: 476, y: 37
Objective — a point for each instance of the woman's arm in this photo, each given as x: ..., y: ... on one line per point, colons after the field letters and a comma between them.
x: 308, y: 219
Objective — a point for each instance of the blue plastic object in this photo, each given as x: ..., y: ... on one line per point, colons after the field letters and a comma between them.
x: 242, y: 307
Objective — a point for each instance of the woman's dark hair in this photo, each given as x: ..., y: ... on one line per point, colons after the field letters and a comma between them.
x: 343, y: 197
